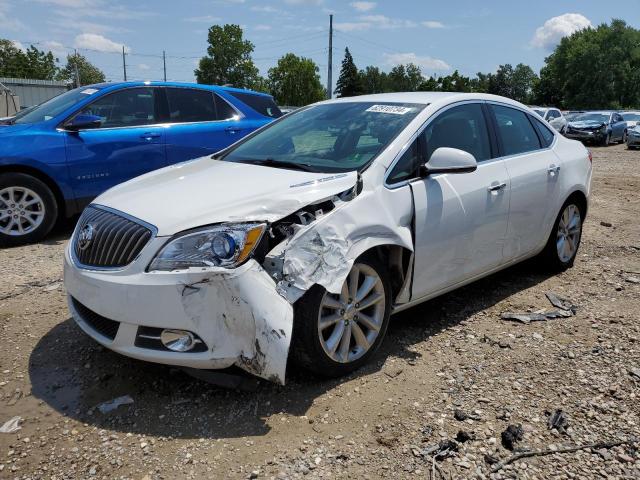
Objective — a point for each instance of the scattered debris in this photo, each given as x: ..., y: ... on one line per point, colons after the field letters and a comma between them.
x: 512, y: 435
x: 635, y: 372
x: 525, y: 318
x: 561, y: 302
x: 393, y: 372
x: 606, y: 224
x: 464, y: 436
x: 388, y: 441
x: 632, y: 279
x: 493, y: 343
x: 12, y: 425
x: 462, y: 416
x: 559, y: 420
x: 111, y: 405
x: 537, y: 453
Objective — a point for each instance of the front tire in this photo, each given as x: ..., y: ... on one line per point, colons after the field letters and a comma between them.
x: 562, y: 247
x: 333, y: 335
x: 28, y: 209
x: 624, y: 137
x: 607, y: 140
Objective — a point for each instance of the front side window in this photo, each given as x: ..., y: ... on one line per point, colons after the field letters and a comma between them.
x: 408, y: 166
x: 334, y: 137
x: 515, y: 130
x: 462, y: 127
x: 125, y: 108
x: 190, y: 105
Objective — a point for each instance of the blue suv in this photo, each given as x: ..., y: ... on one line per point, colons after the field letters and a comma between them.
x: 56, y: 158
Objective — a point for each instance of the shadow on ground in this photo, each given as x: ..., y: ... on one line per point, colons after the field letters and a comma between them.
x: 73, y: 374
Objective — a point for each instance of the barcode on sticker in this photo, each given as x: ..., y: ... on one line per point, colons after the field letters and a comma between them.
x: 393, y: 109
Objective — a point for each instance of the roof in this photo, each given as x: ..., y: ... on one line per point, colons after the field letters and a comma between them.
x: 425, y: 98
x: 175, y: 84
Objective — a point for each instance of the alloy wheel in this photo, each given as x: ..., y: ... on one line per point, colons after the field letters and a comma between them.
x: 568, y: 234
x: 349, y: 323
x: 21, y: 211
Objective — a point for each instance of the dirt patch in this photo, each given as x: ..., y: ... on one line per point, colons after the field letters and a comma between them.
x: 451, y: 373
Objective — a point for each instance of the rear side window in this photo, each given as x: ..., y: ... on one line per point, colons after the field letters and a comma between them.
x: 545, y: 132
x: 225, y: 111
x: 462, y: 127
x: 262, y: 104
x: 124, y: 108
x: 515, y: 130
x: 190, y: 105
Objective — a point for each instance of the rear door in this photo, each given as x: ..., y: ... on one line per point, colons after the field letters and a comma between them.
x: 128, y: 142
x: 460, y: 219
x: 534, y: 170
x: 200, y: 123
x: 618, y: 126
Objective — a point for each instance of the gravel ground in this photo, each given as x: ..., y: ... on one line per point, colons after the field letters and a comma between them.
x: 451, y: 358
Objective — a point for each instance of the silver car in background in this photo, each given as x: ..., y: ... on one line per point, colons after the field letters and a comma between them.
x: 633, y: 137
x: 553, y: 116
x: 632, y: 118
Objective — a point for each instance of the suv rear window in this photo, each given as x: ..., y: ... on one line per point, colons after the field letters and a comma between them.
x: 262, y: 104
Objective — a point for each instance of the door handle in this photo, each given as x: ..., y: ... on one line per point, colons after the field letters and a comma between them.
x: 495, y: 187
x: 553, y: 170
x: 150, y: 136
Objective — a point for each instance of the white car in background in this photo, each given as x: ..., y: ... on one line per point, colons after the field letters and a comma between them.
x: 300, y: 240
x: 553, y: 116
x: 632, y: 118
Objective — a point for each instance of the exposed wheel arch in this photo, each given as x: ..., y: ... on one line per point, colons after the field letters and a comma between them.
x: 43, y: 177
x: 581, y: 200
x: 398, y: 261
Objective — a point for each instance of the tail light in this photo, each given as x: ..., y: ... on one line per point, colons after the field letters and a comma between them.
x: 590, y: 155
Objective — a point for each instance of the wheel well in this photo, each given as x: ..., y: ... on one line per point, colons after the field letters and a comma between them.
x: 397, y: 260
x: 581, y: 200
x: 46, y: 179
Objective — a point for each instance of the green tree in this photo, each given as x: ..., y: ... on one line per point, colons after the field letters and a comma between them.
x: 516, y: 83
x: 33, y: 63
x: 594, y: 68
x: 405, y: 78
x: 373, y: 80
x: 349, y: 82
x: 87, y: 72
x: 295, y: 81
x: 228, y: 59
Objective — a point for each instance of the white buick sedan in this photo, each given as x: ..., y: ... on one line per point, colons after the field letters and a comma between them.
x: 300, y: 240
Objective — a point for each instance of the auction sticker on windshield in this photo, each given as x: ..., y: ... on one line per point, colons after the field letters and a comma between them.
x: 89, y: 91
x: 394, y: 109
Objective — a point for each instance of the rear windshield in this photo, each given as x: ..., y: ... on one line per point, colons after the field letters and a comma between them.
x: 262, y: 104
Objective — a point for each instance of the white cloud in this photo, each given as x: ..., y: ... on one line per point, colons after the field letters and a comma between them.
x: 363, y: 6
x: 56, y: 48
x: 100, y: 43
x: 264, y: 9
x: 303, y: 2
x: 426, y: 62
x: 262, y: 27
x: 144, y: 67
x: 18, y: 45
x: 432, y: 24
x: 203, y: 19
x: 554, y: 29
x: 7, y: 20
x: 351, y: 26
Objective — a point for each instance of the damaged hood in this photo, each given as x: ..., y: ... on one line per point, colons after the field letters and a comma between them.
x: 207, y: 191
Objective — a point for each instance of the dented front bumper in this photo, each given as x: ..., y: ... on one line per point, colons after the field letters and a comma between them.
x: 237, y: 313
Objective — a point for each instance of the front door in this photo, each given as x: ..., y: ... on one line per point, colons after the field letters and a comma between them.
x: 460, y: 219
x: 127, y: 143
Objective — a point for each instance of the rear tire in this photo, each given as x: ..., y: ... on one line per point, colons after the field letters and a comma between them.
x: 28, y: 209
x: 325, y: 322
x: 564, y: 241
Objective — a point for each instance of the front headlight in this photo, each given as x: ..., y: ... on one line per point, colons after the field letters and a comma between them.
x: 226, y: 245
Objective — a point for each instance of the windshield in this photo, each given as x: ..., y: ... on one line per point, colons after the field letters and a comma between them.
x: 55, y: 106
x: 592, y: 117
x: 539, y: 112
x: 334, y: 137
x: 631, y: 117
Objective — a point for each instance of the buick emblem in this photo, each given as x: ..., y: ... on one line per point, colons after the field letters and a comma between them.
x: 85, y: 237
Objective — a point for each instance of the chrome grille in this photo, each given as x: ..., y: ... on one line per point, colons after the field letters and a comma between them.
x: 115, y: 241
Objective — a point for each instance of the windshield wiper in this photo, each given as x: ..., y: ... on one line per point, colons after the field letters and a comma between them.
x: 272, y: 162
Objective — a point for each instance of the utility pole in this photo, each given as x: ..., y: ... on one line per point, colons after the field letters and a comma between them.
x: 330, y: 65
x: 124, y: 64
x: 77, y: 72
x: 164, y: 64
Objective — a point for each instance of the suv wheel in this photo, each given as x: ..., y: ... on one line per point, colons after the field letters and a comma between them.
x: 28, y: 209
x: 562, y: 246
x: 336, y: 334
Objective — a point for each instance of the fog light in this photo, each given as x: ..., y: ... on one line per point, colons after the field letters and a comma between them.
x: 177, y: 340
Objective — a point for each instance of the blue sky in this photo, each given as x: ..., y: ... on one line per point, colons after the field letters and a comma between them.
x: 467, y: 35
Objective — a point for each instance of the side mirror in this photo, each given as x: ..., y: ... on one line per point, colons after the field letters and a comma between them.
x: 83, y: 122
x: 450, y: 160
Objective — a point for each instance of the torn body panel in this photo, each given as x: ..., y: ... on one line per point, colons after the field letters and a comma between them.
x: 237, y: 314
